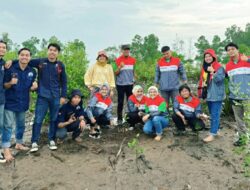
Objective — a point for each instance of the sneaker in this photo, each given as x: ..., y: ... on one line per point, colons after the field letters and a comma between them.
x: 131, y: 128
x: 2, y: 159
x: 52, y: 145
x: 98, y: 130
x: 34, y: 147
x: 94, y: 135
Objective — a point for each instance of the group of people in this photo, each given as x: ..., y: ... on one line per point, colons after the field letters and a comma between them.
x: 48, y: 77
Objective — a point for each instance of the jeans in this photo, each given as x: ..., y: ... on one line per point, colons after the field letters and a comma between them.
x: 214, y: 111
x: 155, y: 125
x: 61, y: 133
x: 195, y: 123
x: 1, y: 120
x: 10, y: 118
x: 169, y: 94
x: 121, y: 91
x: 42, y: 106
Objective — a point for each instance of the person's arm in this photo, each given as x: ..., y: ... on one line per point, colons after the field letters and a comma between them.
x: 91, y: 105
x: 117, y: 69
x: 88, y: 77
x: 8, y: 80
x: 147, y: 115
x: 64, y: 82
x: 34, y: 85
x: 109, y: 112
x: 198, y: 111
x: 157, y: 74
x: 71, y: 120
x: 131, y: 106
x: 111, y: 79
x: 61, y: 118
x: 219, y: 76
x: 182, y: 72
x: 245, y: 58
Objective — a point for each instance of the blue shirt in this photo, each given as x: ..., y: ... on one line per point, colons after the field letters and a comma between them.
x: 18, y: 95
x: 52, y: 79
x: 2, y: 95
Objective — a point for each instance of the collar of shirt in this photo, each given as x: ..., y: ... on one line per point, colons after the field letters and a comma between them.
x: 188, y: 99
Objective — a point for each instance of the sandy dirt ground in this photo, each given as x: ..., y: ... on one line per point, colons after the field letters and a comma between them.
x: 176, y: 163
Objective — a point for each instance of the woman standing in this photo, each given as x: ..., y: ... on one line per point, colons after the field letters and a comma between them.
x: 212, y: 89
x: 100, y: 73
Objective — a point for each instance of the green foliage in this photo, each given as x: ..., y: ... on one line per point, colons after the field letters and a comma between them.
x: 134, y: 145
x: 74, y: 57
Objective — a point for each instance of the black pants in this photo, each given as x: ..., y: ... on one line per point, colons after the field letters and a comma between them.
x: 100, y: 120
x: 121, y: 91
x: 194, y: 123
x: 133, y: 118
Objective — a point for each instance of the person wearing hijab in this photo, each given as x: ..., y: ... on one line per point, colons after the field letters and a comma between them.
x: 212, y: 89
x: 99, y: 111
x: 99, y: 73
x: 136, y: 106
x: 156, y: 118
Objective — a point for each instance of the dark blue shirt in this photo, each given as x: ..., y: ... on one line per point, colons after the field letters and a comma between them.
x: 52, y: 79
x: 67, y: 110
x: 18, y: 95
x: 2, y: 95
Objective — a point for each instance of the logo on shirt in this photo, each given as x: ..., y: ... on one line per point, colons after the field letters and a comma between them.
x: 78, y: 107
x: 30, y: 74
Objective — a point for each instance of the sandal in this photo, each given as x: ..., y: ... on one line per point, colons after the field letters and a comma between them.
x: 7, y: 155
x: 21, y: 147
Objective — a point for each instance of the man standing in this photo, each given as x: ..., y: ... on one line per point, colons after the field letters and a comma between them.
x: 238, y: 71
x: 18, y: 81
x: 3, y: 49
x: 125, y: 78
x: 52, y: 91
x: 167, y: 74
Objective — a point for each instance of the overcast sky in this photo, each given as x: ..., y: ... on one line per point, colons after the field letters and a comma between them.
x: 103, y: 23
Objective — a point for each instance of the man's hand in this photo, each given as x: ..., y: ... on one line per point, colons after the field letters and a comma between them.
x: 244, y: 57
x: 14, y: 81
x: 72, y: 119
x: 7, y: 64
x: 121, y: 65
x: 34, y: 86
x: 62, y: 100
